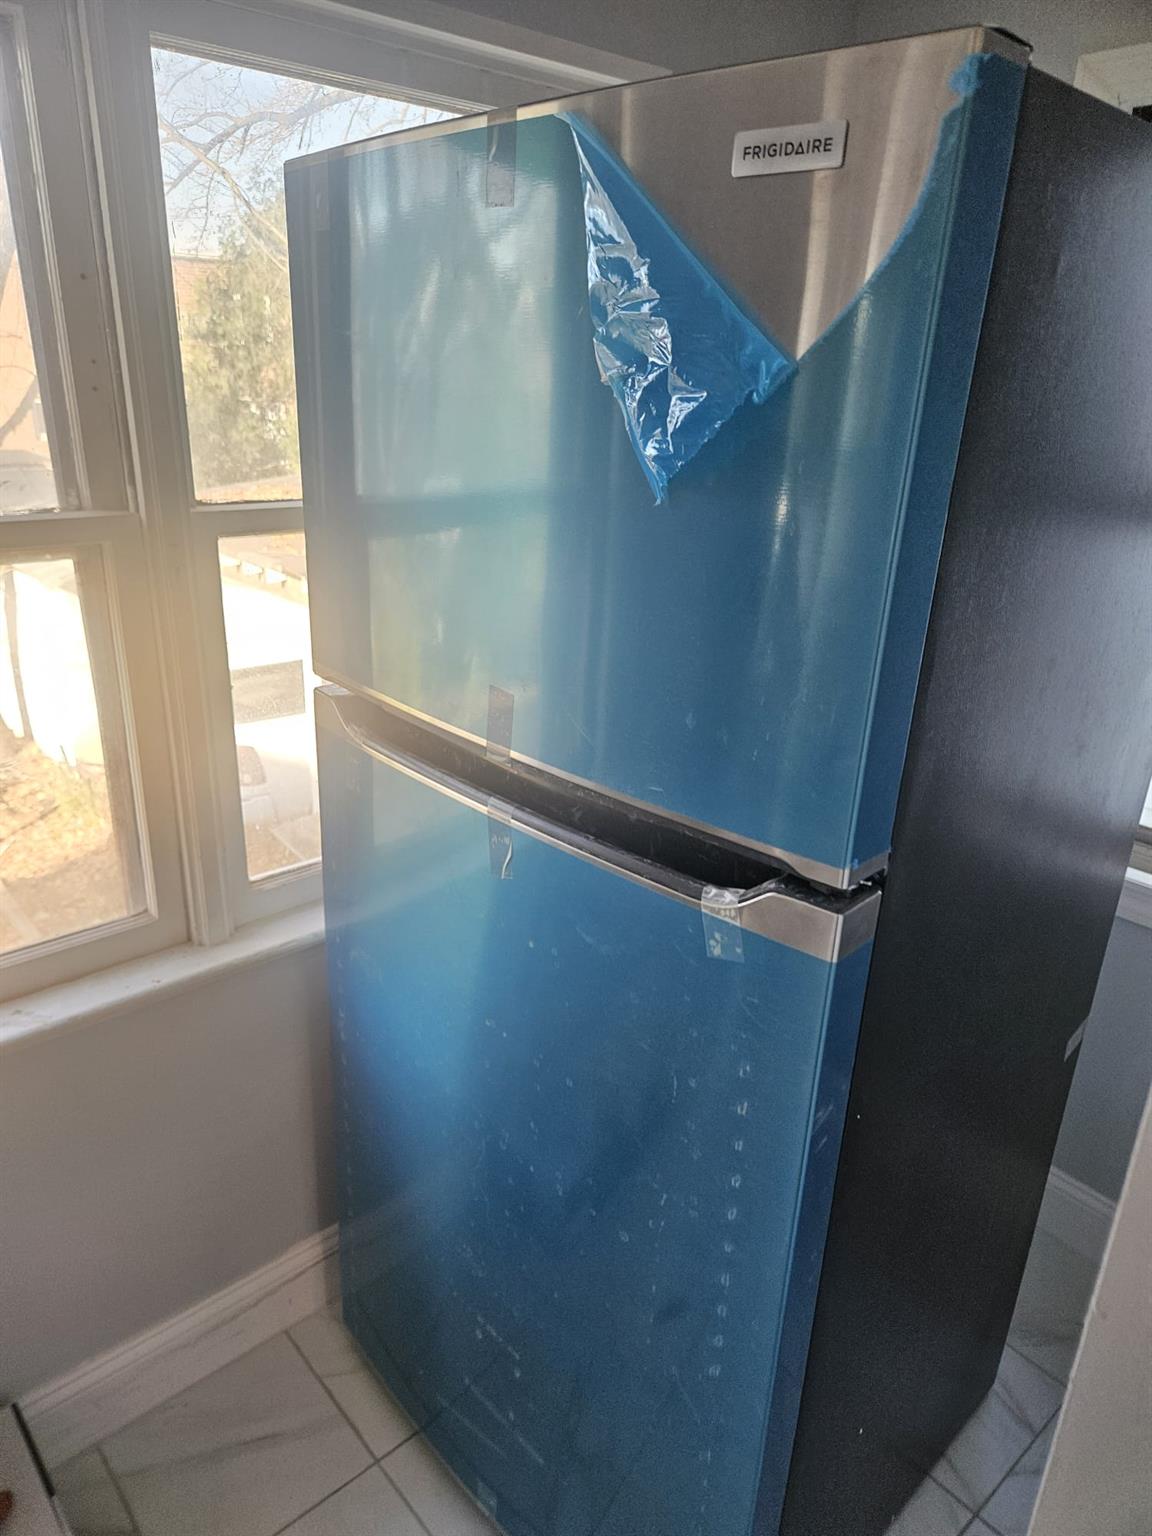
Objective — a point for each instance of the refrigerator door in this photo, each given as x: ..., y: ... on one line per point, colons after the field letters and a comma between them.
x: 586, y: 1154
x: 485, y: 549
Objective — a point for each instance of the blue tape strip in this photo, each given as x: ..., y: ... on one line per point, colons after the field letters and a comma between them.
x: 674, y: 347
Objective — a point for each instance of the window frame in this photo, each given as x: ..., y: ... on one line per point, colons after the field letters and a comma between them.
x: 1142, y: 849
x: 37, y: 278
x: 284, y: 889
x: 182, y: 531
x: 82, y: 152
x: 320, y: 40
x: 47, y: 150
x: 48, y: 161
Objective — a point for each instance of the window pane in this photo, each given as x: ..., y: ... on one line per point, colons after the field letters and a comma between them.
x: 27, y: 483
x: 265, y: 589
x: 225, y: 133
x: 69, y: 853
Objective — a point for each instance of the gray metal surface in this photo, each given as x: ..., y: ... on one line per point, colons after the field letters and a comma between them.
x: 796, y: 249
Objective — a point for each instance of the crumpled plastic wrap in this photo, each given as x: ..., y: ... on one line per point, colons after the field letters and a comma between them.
x: 674, y: 347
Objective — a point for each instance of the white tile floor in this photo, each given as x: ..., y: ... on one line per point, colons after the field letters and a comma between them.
x: 298, y: 1437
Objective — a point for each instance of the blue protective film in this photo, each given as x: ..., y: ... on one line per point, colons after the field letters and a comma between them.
x: 674, y: 347
x: 585, y: 1167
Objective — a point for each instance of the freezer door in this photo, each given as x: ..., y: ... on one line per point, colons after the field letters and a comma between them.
x: 743, y: 655
x: 585, y: 1162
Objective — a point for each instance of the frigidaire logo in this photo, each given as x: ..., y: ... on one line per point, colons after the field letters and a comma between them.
x: 820, y: 146
x: 798, y: 147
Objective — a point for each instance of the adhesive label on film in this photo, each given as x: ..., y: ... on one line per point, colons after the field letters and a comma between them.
x: 720, y: 911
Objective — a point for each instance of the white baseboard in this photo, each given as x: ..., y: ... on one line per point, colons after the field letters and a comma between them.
x: 34, y: 1512
x: 103, y: 1394
x: 1078, y: 1216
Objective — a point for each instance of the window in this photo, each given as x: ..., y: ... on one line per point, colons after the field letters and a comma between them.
x: 225, y: 133
x: 69, y: 847
x: 89, y: 858
x: 157, y: 758
x: 27, y: 479
x: 1142, y: 851
x: 265, y: 587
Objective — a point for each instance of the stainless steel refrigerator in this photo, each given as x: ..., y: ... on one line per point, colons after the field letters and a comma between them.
x: 727, y: 502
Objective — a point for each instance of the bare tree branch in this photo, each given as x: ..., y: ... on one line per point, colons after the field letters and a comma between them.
x: 279, y: 238
x: 26, y: 402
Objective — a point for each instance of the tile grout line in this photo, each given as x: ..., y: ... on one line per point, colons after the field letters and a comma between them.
x: 1042, y: 1430
x: 371, y: 1374
x: 448, y: 1470
x: 1043, y: 1369
x: 377, y: 1461
x: 1060, y: 1381
x: 171, y: 1398
x: 419, y: 1434
x: 332, y: 1399
x: 400, y: 1494
x: 319, y: 1504
x: 120, y: 1493
x: 929, y: 1478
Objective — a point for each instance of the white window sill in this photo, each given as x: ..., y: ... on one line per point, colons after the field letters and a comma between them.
x: 123, y: 988
x: 1136, y: 898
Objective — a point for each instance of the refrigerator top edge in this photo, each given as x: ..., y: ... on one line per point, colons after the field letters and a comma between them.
x: 828, y: 926
x: 978, y: 38
x: 676, y: 134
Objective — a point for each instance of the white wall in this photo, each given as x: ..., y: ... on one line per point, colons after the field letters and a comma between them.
x: 151, y: 1159
x: 685, y: 34
x: 677, y: 34
x: 1059, y: 30
x: 1099, y: 1474
x: 1114, y: 1070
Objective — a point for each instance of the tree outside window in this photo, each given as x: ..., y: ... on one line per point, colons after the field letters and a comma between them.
x: 225, y: 133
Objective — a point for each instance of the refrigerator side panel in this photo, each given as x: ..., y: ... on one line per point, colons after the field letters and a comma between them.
x: 811, y: 1231
x: 974, y: 218
x: 1028, y: 762
x: 580, y: 1162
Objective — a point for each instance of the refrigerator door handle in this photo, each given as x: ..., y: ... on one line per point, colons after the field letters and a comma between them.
x: 830, y: 932
x: 828, y: 926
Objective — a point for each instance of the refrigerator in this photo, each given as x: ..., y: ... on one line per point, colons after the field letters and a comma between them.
x: 727, y: 505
